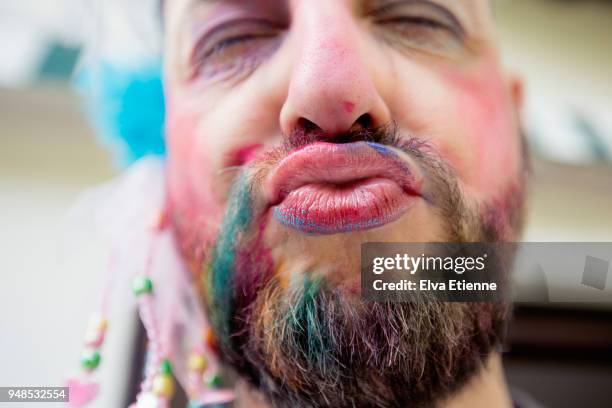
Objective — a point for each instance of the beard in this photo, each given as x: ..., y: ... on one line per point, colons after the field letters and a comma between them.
x: 313, y: 343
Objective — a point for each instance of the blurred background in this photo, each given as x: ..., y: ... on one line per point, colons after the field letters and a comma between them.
x: 559, y: 353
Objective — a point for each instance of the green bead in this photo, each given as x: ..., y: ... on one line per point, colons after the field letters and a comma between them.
x: 90, y: 359
x: 213, y: 381
x: 141, y: 285
x: 166, y: 367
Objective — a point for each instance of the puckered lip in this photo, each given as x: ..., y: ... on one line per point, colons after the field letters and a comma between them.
x: 341, y: 165
x: 328, y: 188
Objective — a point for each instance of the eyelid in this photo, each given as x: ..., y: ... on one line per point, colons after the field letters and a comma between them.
x: 227, y: 25
x: 415, y: 19
x: 453, y: 22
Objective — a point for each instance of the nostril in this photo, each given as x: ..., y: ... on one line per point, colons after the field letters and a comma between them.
x: 304, y: 133
x: 365, y: 121
x: 306, y: 125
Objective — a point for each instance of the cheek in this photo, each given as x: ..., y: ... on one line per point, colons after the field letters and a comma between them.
x: 490, y: 147
x: 191, y: 169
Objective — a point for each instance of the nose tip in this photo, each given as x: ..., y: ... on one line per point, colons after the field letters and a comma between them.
x: 331, y: 86
x: 333, y: 108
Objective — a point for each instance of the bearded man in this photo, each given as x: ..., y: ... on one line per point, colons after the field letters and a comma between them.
x: 296, y: 131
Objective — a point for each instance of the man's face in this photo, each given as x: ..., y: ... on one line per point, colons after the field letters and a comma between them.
x: 298, y: 130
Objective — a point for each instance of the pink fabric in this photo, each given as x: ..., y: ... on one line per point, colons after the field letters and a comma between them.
x: 81, y: 391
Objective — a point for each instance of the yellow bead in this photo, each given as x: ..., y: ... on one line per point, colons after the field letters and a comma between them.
x: 163, y: 386
x: 197, y: 362
x: 98, y: 323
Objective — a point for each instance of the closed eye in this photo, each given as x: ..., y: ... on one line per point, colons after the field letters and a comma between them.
x: 234, y: 47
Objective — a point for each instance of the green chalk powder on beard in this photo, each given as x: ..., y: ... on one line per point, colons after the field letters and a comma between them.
x: 222, y: 272
x: 305, y: 321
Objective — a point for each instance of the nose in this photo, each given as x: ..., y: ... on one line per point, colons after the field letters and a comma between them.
x: 331, y: 87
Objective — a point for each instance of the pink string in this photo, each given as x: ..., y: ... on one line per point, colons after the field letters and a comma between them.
x: 155, y: 347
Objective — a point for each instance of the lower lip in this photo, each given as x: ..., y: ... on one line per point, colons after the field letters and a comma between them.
x: 330, y: 209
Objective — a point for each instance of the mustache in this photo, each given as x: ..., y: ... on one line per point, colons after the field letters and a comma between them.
x: 425, y: 155
x: 307, y: 133
x: 388, y: 134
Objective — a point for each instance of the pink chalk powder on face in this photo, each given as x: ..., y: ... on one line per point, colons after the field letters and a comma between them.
x: 244, y: 154
x: 194, y: 201
x: 486, y: 114
x: 348, y: 106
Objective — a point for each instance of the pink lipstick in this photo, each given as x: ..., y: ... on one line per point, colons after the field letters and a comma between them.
x: 329, y: 188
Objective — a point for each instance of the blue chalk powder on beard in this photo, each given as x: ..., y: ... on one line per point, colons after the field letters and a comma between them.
x: 222, y: 274
x: 126, y: 108
x: 379, y: 148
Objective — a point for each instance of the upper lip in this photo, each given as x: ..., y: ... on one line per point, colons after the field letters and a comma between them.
x: 333, y: 163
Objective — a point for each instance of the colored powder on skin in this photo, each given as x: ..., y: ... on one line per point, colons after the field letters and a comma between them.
x: 348, y: 106
x: 485, y: 115
x: 303, y: 317
x: 239, y: 266
x: 390, y: 154
x: 289, y: 218
x: 245, y: 155
x: 413, y: 147
x: 379, y: 148
x: 222, y: 272
x: 254, y: 266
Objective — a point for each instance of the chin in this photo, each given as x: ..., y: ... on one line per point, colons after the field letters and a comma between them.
x: 337, y: 256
